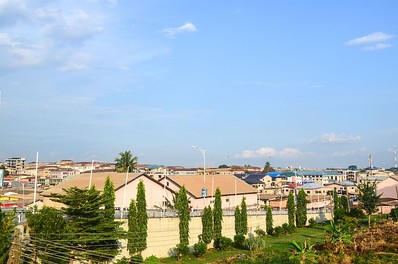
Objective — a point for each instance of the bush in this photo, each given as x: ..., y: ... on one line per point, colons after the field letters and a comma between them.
x: 181, y: 249
x: 254, y: 243
x: 287, y: 228
x: 152, y: 260
x: 238, y: 240
x: 199, y: 249
x: 339, y: 214
x: 278, y: 230
x: 260, y: 232
x: 223, y: 243
x: 123, y: 260
x: 312, y: 222
x: 136, y: 259
x: 356, y: 212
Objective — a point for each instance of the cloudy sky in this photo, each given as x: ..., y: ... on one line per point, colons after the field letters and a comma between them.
x: 309, y: 83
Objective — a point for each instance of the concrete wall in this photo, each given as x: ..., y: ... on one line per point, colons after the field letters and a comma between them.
x: 163, y: 233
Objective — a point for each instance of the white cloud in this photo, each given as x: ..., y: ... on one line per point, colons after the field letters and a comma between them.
x: 332, y: 138
x: 374, y: 41
x: 172, y: 32
x: 354, y: 152
x: 270, y: 152
x: 371, y: 38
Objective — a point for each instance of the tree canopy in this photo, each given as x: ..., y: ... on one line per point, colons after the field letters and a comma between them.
x: 368, y: 198
x: 126, y: 161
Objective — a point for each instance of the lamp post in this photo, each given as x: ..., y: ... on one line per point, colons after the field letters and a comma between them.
x: 203, y: 151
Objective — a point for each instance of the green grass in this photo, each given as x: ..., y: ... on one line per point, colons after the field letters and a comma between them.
x: 281, y: 244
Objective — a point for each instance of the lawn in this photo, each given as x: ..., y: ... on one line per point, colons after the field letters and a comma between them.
x: 279, y: 245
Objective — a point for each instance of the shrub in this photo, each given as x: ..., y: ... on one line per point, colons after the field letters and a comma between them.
x: 312, y: 222
x: 181, y: 249
x: 260, y: 232
x: 123, y: 260
x: 136, y: 259
x: 152, y: 260
x: 287, y: 228
x: 223, y: 243
x: 254, y: 243
x: 357, y: 213
x: 238, y: 240
x: 394, y: 214
x: 278, y: 230
x: 199, y: 249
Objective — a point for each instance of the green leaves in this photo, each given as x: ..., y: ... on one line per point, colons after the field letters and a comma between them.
x: 126, y: 162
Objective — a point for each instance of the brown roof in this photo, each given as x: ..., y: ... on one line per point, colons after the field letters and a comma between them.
x: 226, y: 183
x: 98, y: 179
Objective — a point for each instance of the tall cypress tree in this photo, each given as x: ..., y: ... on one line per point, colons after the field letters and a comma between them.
x: 244, y: 227
x: 217, y: 214
x: 184, y: 215
x: 207, y: 225
x: 269, y: 222
x: 142, y: 217
x: 301, y: 216
x: 133, y: 233
x: 238, y: 221
x: 109, y: 199
x: 291, y: 209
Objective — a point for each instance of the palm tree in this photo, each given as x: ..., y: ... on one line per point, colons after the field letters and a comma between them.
x: 126, y: 161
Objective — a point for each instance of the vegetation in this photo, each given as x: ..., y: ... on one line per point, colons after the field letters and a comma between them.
x: 184, y: 215
x: 368, y: 198
x: 207, y: 225
x: 268, y: 167
x: 133, y: 234
x: 243, y: 223
x: 269, y: 222
x: 301, y: 213
x: 217, y: 214
x: 142, y: 217
x: 291, y: 209
x: 238, y: 221
x: 126, y: 162
x: 6, y: 230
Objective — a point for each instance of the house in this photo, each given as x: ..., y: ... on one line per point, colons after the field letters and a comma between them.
x: 201, y: 189
x: 388, y: 189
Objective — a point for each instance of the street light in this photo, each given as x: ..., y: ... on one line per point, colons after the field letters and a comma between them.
x: 203, y: 151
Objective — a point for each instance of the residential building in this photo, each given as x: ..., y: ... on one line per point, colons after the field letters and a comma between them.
x: 15, y: 165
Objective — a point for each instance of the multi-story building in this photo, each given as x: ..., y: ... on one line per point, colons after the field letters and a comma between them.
x: 15, y: 165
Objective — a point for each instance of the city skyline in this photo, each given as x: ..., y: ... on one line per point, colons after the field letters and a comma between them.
x: 308, y: 84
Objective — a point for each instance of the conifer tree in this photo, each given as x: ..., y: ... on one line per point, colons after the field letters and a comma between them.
x: 291, y: 209
x: 301, y: 213
x: 133, y: 233
x: 238, y: 221
x: 243, y: 212
x: 142, y: 217
x: 207, y: 225
x: 217, y: 214
x: 269, y: 222
x: 109, y: 199
x: 184, y: 215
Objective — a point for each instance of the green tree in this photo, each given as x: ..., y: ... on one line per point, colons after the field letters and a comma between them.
x: 368, y: 198
x: 243, y: 212
x: 6, y: 230
x: 291, y: 209
x: 109, y: 199
x: 207, y: 225
x: 184, y: 215
x: 47, y: 230
x: 269, y: 222
x: 223, y: 166
x: 238, y: 221
x: 268, y: 167
x: 301, y: 213
x: 95, y: 235
x: 126, y: 161
x: 217, y: 214
x: 133, y: 232
x: 142, y: 216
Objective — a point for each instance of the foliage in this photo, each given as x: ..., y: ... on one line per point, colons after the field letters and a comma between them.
x: 243, y: 212
x: 260, y: 232
x: 291, y: 209
x: 268, y: 167
x: 199, y: 249
x: 152, y: 260
x: 394, y: 214
x: 94, y: 234
x: 238, y: 240
x: 223, y: 243
x: 142, y: 217
x: 109, y: 199
x: 126, y: 161
x: 269, y: 222
x: 337, y: 236
x: 278, y: 230
x: 184, y: 215
x: 133, y: 233
x: 207, y: 225
x: 47, y: 228
x: 287, y: 228
x: 223, y: 166
x: 181, y: 249
x: 217, y: 214
x: 368, y: 198
x: 136, y: 258
x: 6, y: 230
x: 254, y: 243
x: 238, y: 221
x: 357, y: 213
x: 344, y: 203
x: 301, y: 213
x: 312, y: 222
x: 304, y: 252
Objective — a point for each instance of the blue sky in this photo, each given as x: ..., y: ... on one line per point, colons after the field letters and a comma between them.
x: 309, y: 83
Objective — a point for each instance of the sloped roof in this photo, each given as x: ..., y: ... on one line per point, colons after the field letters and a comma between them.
x: 98, y: 180
x: 226, y: 183
x: 310, y: 186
